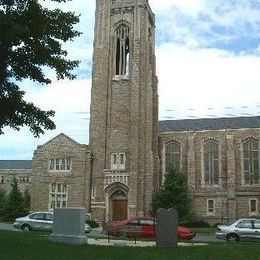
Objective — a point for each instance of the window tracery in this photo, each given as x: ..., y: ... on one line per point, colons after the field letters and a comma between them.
x: 251, y: 161
x: 122, y: 50
x: 211, y: 163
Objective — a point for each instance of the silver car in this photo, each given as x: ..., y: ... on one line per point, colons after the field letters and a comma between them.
x: 39, y: 221
x: 248, y: 228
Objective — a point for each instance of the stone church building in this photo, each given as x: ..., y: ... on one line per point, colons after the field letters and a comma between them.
x: 116, y: 175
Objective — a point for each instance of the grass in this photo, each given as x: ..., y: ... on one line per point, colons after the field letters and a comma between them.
x: 205, y: 230
x: 31, y: 246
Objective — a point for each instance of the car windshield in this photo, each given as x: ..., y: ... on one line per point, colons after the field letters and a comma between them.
x: 231, y: 223
x: 244, y: 224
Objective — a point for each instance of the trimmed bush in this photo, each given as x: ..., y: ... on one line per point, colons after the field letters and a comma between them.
x: 198, y: 223
x: 92, y: 223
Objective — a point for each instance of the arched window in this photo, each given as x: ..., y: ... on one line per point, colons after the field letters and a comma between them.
x: 211, y: 163
x: 122, y: 50
x: 251, y: 161
x: 173, y: 155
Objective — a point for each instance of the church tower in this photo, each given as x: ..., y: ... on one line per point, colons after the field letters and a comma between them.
x: 124, y: 111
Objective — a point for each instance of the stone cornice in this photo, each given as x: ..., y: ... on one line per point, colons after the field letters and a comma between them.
x: 122, y: 10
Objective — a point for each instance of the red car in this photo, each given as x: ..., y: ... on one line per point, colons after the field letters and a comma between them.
x: 142, y: 227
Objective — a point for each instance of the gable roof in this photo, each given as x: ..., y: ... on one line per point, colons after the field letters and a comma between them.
x: 209, y: 124
x: 15, y: 164
x: 59, y: 136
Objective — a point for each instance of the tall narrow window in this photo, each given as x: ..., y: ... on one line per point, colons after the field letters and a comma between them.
x: 251, y: 161
x: 68, y: 166
x: 210, y: 207
x: 172, y: 155
x: 122, y: 50
x: 114, y: 161
x: 121, y: 165
x: 118, y: 161
x: 93, y: 192
x: 211, y: 163
x: 62, y: 164
x: 252, y: 207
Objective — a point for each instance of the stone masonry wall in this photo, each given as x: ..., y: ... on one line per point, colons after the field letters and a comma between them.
x: 231, y: 197
x: 78, y: 179
x: 124, y: 108
x: 23, y: 177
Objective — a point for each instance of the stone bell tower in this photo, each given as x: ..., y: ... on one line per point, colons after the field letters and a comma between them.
x: 124, y: 110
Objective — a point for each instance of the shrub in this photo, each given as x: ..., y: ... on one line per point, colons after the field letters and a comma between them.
x: 14, y: 204
x: 174, y: 193
x: 217, y: 224
x: 2, y: 201
x: 198, y: 223
x: 92, y: 223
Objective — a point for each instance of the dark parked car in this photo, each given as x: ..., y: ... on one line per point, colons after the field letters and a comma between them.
x: 39, y: 221
x: 248, y: 228
x: 143, y: 227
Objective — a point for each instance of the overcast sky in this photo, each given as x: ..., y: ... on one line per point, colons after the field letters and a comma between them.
x: 208, y: 62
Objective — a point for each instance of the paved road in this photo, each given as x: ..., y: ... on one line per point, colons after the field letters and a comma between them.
x: 8, y: 227
x: 198, y: 238
x: 206, y: 238
x: 98, y: 233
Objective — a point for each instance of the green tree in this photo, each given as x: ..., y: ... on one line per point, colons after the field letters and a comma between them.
x: 31, y: 38
x: 174, y: 193
x: 2, y: 201
x: 26, y: 201
x: 14, y: 203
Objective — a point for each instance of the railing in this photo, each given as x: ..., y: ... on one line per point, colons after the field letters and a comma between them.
x: 122, y: 232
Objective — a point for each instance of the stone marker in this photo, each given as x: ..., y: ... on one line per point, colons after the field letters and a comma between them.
x: 167, y: 223
x: 69, y: 226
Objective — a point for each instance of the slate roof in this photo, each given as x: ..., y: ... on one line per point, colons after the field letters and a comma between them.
x: 15, y: 164
x: 209, y: 124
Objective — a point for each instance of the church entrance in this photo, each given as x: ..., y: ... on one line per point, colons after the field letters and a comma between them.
x: 119, y: 210
x: 119, y: 205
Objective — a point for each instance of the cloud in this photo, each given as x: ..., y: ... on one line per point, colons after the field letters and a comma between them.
x: 190, y: 7
x: 205, y: 78
x: 71, y: 102
x: 208, y: 58
x: 64, y: 95
x: 205, y: 23
x: 69, y: 99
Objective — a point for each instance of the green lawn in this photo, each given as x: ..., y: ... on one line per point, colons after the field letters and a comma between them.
x: 23, y: 245
x: 205, y: 230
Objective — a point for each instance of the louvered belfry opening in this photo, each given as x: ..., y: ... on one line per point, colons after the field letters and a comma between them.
x: 122, y: 50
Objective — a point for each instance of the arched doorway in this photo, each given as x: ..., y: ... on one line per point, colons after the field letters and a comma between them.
x: 116, y: 202
x: 119, y: 205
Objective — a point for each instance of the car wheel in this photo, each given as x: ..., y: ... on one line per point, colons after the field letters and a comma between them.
x: 26, y: 227
x: 232, y: 238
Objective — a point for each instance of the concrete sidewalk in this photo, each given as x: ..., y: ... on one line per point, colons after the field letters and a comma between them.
x: 122, y: 243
